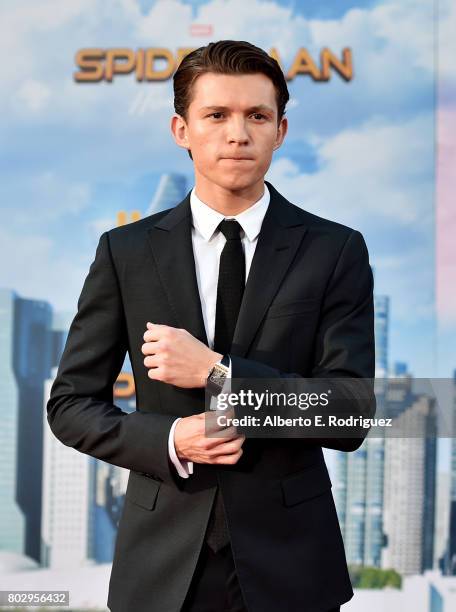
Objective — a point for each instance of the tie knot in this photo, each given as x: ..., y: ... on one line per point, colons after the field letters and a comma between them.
x: 230, y: 228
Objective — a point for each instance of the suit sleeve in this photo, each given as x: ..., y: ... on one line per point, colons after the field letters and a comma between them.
x: 344, y: 346
x: 80, y: 410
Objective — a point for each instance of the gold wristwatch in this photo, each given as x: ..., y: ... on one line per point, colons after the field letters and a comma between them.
x: 217, y: 375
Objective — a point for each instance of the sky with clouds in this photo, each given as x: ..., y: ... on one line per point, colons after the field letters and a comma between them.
x: 361, y: 153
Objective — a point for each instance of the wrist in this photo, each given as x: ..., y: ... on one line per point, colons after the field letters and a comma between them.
x: 217, y: 376
x: 213, y: 359
x: 179, y: 454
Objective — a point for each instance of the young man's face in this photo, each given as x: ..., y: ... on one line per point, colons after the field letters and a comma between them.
x: 231, y: 128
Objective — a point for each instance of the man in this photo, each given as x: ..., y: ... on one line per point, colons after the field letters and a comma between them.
x: 238, y: 281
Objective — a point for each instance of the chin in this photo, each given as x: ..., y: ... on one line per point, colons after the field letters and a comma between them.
x: 234, y: 181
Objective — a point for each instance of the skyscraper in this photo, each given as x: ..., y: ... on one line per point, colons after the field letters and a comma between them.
x: 12, y: 521
x: 82, y: 496
x: 359, y: 501
x: 171, y: 189
x: 448, y: 564
x: 66, y: 487
x: 409, y: 489
x: 381, y: 309
x: 28, y: 357
x: 359, y: 475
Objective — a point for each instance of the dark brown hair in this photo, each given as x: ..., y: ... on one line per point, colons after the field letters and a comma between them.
x: 226, y: 57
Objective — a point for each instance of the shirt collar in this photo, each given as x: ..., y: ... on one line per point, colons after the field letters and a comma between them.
x: 206, y: 219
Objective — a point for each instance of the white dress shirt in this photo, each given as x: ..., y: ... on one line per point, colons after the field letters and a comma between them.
x: 207, y: 248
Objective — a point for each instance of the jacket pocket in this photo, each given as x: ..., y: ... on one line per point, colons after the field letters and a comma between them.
x: 142, y: 490
x: 305, y: 485
x: 293, y: 308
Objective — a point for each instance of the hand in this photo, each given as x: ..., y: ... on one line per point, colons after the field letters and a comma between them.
x: 192, y: 444
x: 176, y: 357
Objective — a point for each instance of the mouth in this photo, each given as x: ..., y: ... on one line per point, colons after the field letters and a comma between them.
x: 239, y: 158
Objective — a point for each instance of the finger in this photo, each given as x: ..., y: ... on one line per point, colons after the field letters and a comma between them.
x: 212, y: 428
x: 159, y: 328
x: 214, y: 444
x: 152, y: 361
x: 223, y: 445
x: 227, y: 448
x: 228, y: 459
x: 150, y: 348
x: 151, y: 335
x: 157, y: 373
x: 214, y: 431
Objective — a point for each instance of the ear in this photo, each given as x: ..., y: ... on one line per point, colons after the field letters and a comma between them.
x: 179, y: 131
x: 281, y: 132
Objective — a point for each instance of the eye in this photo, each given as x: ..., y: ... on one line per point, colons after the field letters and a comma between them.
x: 260, y: 115
x: 216, y: 113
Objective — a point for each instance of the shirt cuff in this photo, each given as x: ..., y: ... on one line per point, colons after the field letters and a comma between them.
x: 184, y: 468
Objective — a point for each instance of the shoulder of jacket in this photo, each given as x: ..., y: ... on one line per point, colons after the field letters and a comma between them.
x: 135, y: 231
x: 323, y: 225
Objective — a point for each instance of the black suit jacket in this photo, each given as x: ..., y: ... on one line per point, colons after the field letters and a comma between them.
x: 308, y: 311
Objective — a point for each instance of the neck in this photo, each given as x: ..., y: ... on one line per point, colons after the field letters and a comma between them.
x: 228, y: 202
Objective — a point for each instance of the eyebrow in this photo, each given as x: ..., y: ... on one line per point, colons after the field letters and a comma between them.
x: 252, y: 109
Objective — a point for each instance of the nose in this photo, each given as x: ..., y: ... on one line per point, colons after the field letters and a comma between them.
x: 237, y: 131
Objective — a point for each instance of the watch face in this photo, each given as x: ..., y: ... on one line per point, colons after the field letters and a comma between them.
x: 219, y: 371
x: 217, y: 378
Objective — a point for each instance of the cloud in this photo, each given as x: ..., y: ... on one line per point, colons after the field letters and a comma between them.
x: 446, y: 42
x: 378, y: 36
x: 371, y: 138
x: 33, y: 95
x: 108, y: 130
x: 47, y: 196
x: 39, y: 271
x: 378, y: 179
x: 97, y: 226
x: 379, y: 171
x: 399, y: 30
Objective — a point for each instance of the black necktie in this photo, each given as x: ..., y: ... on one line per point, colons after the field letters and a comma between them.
x: 230, y: 288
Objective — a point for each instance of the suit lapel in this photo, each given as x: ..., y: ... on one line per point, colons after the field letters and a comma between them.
x: 171, y: 243
x: 281, y: 234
